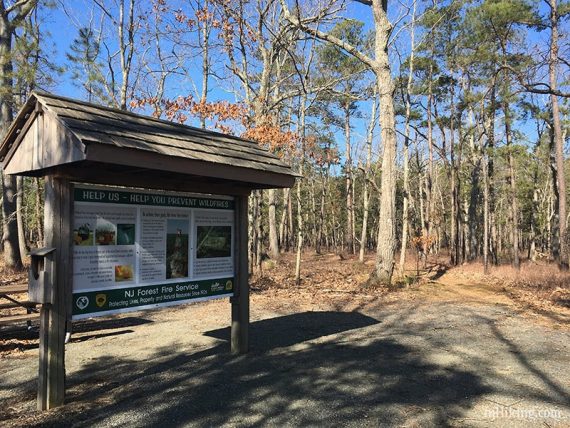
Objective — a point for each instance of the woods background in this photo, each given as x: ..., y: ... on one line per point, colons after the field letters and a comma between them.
x: 433, y: 125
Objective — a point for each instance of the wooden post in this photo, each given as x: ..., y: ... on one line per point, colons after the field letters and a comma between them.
x: 240, y: 300
x: 55, y: 316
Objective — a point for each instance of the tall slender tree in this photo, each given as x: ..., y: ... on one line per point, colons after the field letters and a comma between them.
x: 12, y: 17
x: 380, y: 66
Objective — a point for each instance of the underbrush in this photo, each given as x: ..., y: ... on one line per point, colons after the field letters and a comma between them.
x: 541, y: 282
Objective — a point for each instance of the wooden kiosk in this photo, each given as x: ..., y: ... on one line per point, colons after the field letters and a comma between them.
x: 73, y: 144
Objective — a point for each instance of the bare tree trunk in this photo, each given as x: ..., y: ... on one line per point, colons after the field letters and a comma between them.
x: 349, y: 237
x: 368, y: 166
x: 533, y: 213
x: 38, y: 214
x: 273, y: 238
x: 513, y: 188
x: 406, y: 152
x: 485, y: 216
x: 321, y: 219
x: 258, y: 231
x: 20, y: 216
x: 10, y: 244
x: 557, y: 134
x: 386, y: 244
x: 472, y: 221
x: 490, y: 174
x: 289, y: 220
x: 313, y: 214
x: 205, y: 34
x: 283, y: 234
x: 251, y: 234
x: 300, y: 225
x: 430, y: 205
x: 126, y: 48
x: 454, y: 188
x: 380, y: 65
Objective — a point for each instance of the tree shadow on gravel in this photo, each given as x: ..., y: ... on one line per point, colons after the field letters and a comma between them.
x: 25, y: 339
x: 289, y: 330
x: 294, y: 376
x: 90, y: 325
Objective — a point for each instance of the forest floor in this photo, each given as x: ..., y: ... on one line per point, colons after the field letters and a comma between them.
x: 453, y: 348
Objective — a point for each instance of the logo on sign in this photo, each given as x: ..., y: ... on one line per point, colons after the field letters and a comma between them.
x: 101, y: 299
x: 229, y: 285
x: 82, y: 302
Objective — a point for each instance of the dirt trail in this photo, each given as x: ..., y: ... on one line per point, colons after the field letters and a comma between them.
x: 461, y: 287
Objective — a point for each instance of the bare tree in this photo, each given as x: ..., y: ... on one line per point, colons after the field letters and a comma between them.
x: 11, y: 18
x: 558, y: 143
x: 405, y: 154
x: 380, y: 65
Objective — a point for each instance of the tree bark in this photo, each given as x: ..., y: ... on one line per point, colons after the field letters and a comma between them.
x: 513, y: 188
x: 300, y: 225
x: 10, y: 244
x: 349, y: 236
x: 273, y: 237
x: 367, y: 175
x: 39, y: 212
x: 454, y: 188
x: 557, y: 135
x: 386, y: 244
x: 20, y: 216
x: 283, y: 225
x: 406, y: 152
x: 485, y: 215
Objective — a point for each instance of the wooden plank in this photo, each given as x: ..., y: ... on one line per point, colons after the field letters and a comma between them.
x: 49, y: 143
x: 158, y: 127
x: 190, y: 143
x: 14, y: 129
x: 74, y: 107
x: 54, y: 317
x: 25, y: 139
x: 151, y: 160
x: 15, y: 319
x: 133, y: 142
x: 13, y: 289
x: 178, y: 135
x: 240, y: 300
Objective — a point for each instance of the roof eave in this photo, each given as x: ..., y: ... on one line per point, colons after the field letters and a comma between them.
x: 16, y: 127
x: 112, y: 155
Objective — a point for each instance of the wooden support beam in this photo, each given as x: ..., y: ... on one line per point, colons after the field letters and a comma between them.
x: 55, y: 316
x: 240, y: 300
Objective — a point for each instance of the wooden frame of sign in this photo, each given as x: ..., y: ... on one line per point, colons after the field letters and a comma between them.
x: 69, y: 141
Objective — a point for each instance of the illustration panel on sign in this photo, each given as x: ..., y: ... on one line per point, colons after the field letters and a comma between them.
x: 213, y: 253
x: 214, y: 241
x: 125, y: 234
x: 177, y: 248
x: 105, y: 233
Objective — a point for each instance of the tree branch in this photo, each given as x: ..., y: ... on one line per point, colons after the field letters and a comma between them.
x: 534, y: 87
x: 321, y: 35
x: 24, y: 7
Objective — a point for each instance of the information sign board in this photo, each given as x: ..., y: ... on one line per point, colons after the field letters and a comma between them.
x: 135, y: 249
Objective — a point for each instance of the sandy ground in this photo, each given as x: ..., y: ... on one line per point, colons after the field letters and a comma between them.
x: 447, y: 353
